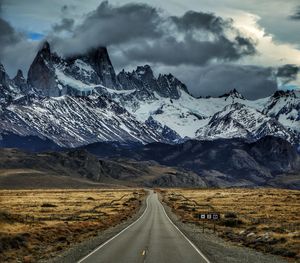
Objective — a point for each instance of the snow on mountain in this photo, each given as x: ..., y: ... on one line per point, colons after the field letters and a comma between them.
x: 74, y: 121
x: 284, y: 106
x: 184, y: 115
x: 192, y: 117
x: 240, y: 121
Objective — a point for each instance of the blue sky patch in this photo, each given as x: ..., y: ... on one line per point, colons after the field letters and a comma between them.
x: 290, y: 87
x: 35, y: 36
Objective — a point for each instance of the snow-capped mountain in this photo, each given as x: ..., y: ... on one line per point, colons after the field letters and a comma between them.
x: 240, y: 121
x: 205, y: 118
x: 284, y: 107
x: 74, y: 121
x: 80, y: 100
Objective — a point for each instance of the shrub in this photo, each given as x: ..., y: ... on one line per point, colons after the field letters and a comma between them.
x: 232, y: 222
x: 48, y: 205
x: 230, y: 215
x: 132, y: 199
x: 184, y: 207
x: 5, y: 216
x: 13, y: 242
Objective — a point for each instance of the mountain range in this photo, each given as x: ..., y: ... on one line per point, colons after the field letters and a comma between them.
x: 80, y: 100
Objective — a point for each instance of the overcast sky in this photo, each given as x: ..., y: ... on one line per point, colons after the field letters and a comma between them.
x: 212, y: 46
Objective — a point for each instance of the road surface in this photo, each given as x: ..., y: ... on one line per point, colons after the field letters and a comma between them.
x: 152, y: 238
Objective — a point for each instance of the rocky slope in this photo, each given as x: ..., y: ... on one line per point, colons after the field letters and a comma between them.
x: 65, y: 169
x: 269, y: 161
x: 73, y: 121
x: 11, y: 89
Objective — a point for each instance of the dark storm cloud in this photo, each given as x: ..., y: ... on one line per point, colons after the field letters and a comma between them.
x: 147, y: 35
x: 287, y: 73
x: 66, y: 24
x: 67, y: 9
x: 64, y: 8
x: 252, y: 82
x: 113, y: 25
x: 296, y: 14
x: 217, y: 27
x: 198, y: 20
x: 190, y: 51
x: 15, y: 52
x: 8, y: 34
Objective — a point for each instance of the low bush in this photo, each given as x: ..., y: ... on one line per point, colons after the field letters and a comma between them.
x: 230, y: 215
x: 48, y: 205
x: 231, y: 222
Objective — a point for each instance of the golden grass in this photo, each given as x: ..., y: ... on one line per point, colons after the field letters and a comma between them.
x: 264, y: 219
x: 39, y: 223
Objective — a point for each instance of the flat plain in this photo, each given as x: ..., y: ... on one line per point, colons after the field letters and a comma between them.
x: 38, y: 224
x: 264, y: 219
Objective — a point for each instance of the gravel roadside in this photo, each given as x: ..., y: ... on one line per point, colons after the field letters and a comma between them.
x: 218, y: 250
x: 78, y: 251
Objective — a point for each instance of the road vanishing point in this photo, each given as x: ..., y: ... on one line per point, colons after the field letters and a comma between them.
x: 152, y: 238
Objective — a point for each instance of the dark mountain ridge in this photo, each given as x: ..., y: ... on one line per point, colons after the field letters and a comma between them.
x: 19, y: 169
x: 269, y: 162
x: 230, y: 162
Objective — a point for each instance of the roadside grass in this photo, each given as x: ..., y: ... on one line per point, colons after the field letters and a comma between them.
x: 264, y: 219
x: 37, y: 224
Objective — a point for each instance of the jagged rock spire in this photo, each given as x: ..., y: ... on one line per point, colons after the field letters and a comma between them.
x: 20, y: 81
x: 99, y: 60
x: 233, y: 94
x: 144, y: 81
x: 41, y: 74
x: 3, y: 75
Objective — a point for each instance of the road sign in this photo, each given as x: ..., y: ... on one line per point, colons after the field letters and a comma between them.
x: 209, y: 216
x: 216, y: 216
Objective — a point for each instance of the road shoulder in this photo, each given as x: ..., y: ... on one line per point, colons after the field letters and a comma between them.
x: 217, y: 249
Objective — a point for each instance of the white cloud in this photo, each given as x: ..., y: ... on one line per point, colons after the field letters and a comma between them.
x: 270, y: 52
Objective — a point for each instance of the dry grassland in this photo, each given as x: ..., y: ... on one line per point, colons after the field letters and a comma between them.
x: 264, y: 219
x: 35, y: 224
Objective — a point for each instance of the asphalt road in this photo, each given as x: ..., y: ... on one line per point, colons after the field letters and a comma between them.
x: 151, y: 238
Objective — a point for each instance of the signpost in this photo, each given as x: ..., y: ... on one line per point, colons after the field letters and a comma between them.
x: 209, y: 216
